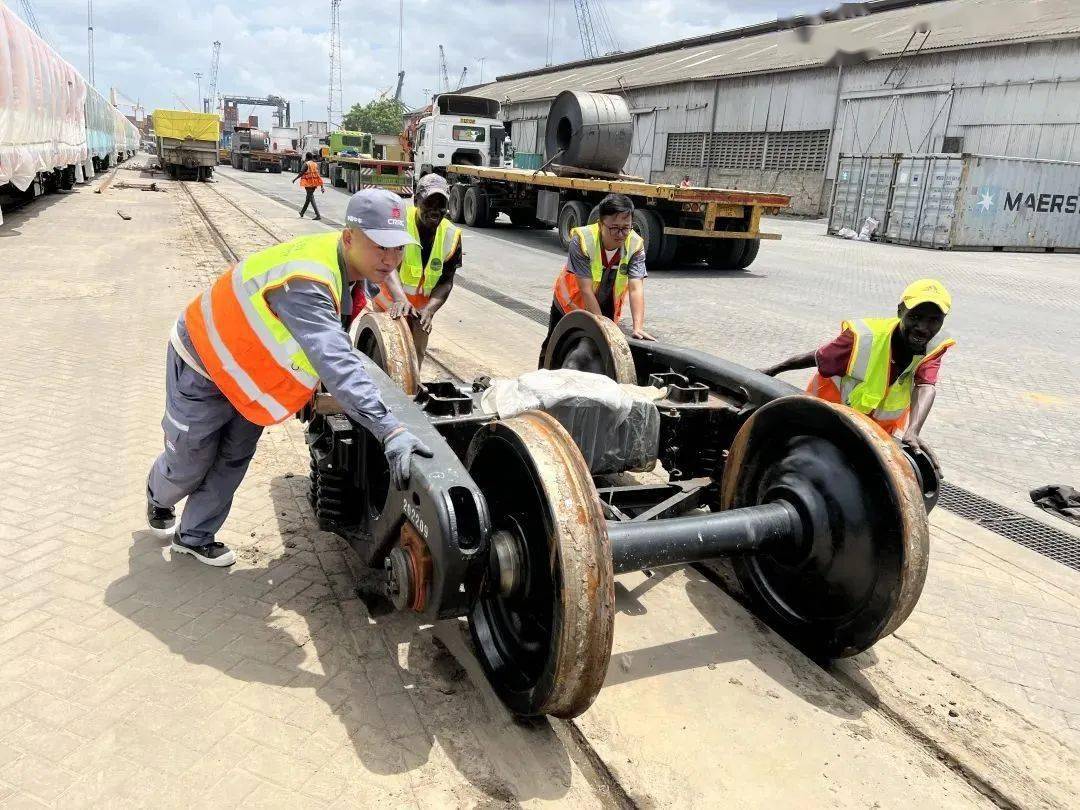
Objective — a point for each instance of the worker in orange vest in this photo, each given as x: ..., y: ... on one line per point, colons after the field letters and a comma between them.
x: 886, y: 368
x: 310, y: 179
x: 248, y: 353
x: 605, y: 265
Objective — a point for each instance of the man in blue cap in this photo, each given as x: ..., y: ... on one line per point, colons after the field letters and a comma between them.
x: 248, y: 353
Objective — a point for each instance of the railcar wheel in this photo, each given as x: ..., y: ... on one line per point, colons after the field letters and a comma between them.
x: 543, y: 625
x: 389, y: 343
x: 585, y: 342
x: 858, y: 571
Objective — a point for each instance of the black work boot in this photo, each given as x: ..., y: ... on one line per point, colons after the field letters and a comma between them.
x: 216, y: 554
x: 161, y: 519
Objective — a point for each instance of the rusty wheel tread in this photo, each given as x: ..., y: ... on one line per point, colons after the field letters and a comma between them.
x: 395, y: 344
x: 605, y: 334
x: 577, y: 661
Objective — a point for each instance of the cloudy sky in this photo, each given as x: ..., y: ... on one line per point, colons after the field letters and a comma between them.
x: 150, y: 49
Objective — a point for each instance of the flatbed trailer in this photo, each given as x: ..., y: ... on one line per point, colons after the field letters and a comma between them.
x: 355, y: 173
x: 722, y: 226
x: 256, y: 161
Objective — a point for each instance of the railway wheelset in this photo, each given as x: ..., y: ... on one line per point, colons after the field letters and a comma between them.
x: 823, y: 515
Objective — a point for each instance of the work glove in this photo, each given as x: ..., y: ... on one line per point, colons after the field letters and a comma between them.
x: 399, y: 450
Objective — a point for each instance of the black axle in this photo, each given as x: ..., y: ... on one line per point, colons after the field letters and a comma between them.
x: 636, y: 545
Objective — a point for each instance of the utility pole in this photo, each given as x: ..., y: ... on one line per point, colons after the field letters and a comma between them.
x: 481, y: 60
x: 198, y: 90
x: 335, y: 92
x: 90, y: 38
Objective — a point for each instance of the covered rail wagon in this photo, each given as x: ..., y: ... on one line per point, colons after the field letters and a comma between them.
x: 55, y: 129
x: 42, y: 125
x: 100, y: 130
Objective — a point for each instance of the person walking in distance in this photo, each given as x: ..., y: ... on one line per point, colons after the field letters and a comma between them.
x: 310, y: 179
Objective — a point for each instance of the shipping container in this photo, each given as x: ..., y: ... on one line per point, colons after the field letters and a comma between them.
x: 960, y: 202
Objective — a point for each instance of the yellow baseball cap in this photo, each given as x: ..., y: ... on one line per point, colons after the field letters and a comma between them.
x: 927, y: 291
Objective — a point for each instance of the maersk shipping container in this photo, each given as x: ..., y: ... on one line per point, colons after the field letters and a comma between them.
x: 960, y: 202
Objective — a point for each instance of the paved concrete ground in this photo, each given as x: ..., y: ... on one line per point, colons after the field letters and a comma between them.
x: 1004, y: 617
x: 130, y: 679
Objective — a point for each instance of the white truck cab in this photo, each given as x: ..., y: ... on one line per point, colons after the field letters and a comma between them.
x: 460, y: 130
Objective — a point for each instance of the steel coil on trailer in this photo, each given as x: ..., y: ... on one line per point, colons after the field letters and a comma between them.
x: 592, y: 130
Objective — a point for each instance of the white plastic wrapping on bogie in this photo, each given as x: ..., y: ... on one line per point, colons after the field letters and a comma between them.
x: 42, y: 99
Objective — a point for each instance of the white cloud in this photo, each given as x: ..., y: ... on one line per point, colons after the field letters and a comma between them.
x: 150, y: 49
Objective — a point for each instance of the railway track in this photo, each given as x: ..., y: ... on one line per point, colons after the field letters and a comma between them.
x: 219, y: 213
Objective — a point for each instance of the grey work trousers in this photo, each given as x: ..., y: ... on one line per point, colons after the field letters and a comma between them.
x: 208, y: 446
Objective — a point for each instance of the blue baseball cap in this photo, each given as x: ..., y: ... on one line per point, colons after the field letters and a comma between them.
x: 380, y: 214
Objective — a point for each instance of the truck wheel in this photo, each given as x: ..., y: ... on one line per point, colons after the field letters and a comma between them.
x: 650, y: 228
x: 573, y: 214
x: 726, y: 254
x: 456, y: 205
x: 476, y: 208
x: 752, y: 248
x: 669, y: 246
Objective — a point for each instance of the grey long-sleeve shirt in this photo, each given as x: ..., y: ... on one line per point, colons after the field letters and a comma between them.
x: 307, y: 309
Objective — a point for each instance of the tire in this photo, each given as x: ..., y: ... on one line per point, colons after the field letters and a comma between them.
x: 456, y: 204
x: 594, y: 215
x: 751, y: 252
x: 572, y: 215
x: 476, y: 208
x: 650, y: 228
x: 669, y: 246
x: 67, y: 178
x: 726, y: 254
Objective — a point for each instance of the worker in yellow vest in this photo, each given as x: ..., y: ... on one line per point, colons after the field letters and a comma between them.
x: 605, y: 265
x: 248, y: 352
x: 886, y: 368
x: 420, y: 288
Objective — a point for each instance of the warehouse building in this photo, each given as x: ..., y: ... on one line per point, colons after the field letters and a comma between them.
x: 772, y: 106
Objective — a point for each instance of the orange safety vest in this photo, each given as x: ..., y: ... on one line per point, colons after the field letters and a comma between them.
x: 865, y: 386
x: 244, y: 348
x: 311, y: 177
x: 567, y: 286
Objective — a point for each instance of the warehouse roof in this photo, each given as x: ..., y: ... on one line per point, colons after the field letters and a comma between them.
x: 851, y: 33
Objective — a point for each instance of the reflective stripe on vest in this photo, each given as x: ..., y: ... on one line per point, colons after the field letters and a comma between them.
x: 417, y: 280
x: 865, y: 387
x: 567, y: 290
x: 248, y: 353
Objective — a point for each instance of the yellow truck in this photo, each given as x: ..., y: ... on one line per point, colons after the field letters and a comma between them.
x: 187, y: 143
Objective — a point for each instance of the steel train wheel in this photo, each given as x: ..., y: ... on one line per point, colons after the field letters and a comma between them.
x: 542, y: 628
x: 858, y: 572
x: 585, y: 342
x: 389, y: 343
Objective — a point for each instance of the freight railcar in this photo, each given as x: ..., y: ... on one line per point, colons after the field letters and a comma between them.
x: 55, y: 129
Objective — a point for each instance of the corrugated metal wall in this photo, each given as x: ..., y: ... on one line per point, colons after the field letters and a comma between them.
x: 1020, y: 100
